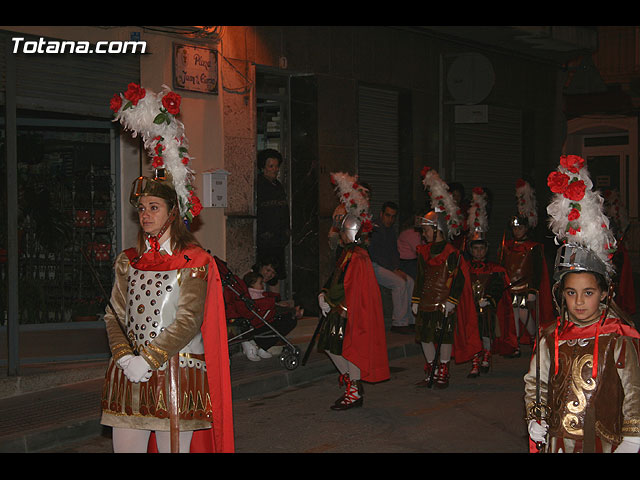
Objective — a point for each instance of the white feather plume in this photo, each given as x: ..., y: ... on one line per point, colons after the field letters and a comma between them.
x: 579, y: 220
x: 140, y: 120
x: 442, y: 200
x: 353, y: 196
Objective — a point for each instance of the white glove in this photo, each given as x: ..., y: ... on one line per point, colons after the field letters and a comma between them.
x: 628, y: 445
x: 124, y: 361
x: 137, y: 370
x: 324, y: 306
x: 449, y: 307
x: 414, y: 309
x: 538, y: 431
x: 483, y: 302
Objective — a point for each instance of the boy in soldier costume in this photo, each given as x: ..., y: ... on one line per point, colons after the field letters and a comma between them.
x: 490, y: 290
x: 352, y: 331
x: 526, y: 266
x: 442, y: 299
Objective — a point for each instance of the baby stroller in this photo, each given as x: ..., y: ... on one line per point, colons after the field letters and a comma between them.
x: 243, y: 329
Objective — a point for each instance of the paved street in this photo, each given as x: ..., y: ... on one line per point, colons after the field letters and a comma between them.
x: 472, y: 415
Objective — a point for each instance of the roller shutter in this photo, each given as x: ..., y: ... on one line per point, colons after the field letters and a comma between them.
x: 490, y: 155
x: 79, y: 84
x: 378, y: 146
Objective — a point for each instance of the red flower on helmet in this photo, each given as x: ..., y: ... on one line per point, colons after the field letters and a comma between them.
x: 574, y: 214
x: 573, y: 163
x: 171, y: 101
x: 557, y: 182
x: 575, y: 191
x: 134, y: 93
x: 115, y: 103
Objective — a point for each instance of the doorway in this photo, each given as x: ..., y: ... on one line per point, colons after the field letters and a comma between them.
x: 286, y: 116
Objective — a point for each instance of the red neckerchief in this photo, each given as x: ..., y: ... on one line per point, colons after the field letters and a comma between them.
x: 439, y: 259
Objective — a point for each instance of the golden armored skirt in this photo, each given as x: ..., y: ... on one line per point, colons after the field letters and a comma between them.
x: 145, y: 405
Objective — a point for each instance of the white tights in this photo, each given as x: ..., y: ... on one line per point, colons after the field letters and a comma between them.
x: 129, y: 440
x: 345, y: 366
x: 429, y: 350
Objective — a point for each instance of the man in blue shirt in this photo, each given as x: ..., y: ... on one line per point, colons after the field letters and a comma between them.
x: 383, y: 251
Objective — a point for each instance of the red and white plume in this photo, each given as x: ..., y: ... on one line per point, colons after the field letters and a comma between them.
x: 477, y: 216
x: 153, y: 117
x: 576, y: 211
x: 354, y: 197
x: 442, y: 200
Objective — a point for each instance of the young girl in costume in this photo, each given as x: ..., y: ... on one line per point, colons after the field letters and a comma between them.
x: 582, y: 391
x: 165, y: 322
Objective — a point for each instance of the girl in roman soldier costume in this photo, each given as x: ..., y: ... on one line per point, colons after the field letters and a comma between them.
x: 582, y: 391
x: 442, y: 301
x: 352, y: 331
x: 526, y: 266
x: 490, y: 284
x: 168, y: 377
x: 623, y: 281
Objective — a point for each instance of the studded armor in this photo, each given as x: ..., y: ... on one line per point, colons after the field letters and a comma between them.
x: 157, y: 314
x: 152, y: 303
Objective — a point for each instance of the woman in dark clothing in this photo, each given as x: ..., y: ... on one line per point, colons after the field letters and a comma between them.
x: 273, y: 210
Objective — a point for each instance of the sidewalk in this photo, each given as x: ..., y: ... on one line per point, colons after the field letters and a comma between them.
x: 53, y: 404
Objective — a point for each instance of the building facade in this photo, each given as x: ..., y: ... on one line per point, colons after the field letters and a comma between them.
x: 483, y: 105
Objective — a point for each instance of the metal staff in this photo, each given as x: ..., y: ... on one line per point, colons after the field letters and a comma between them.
x: 174, y: 402
x: 313, y: 339
x: 538, y: 410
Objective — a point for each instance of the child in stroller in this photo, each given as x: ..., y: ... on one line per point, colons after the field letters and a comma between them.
x: 257, y: 323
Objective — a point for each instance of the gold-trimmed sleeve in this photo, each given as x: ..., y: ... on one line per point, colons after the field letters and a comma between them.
x: 629, y: 374
x: 115, y: 320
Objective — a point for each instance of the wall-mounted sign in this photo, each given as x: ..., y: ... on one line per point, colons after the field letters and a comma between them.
x: 195, y: 69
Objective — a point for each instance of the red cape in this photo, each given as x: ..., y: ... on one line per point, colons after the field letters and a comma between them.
x: 508, y: 341
x: 466, y: 342
x: 219, y: 438
x: 365, y: 342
